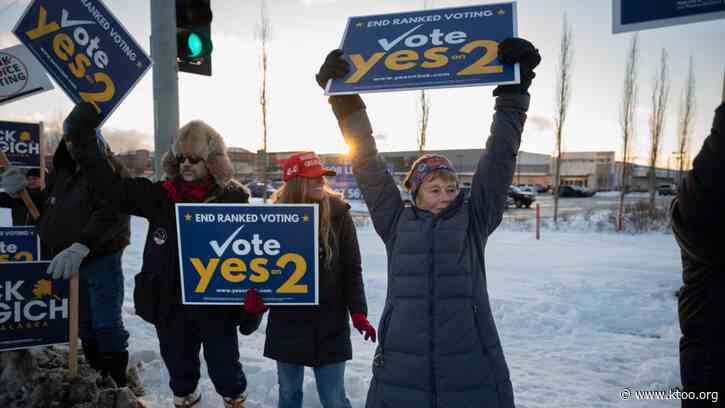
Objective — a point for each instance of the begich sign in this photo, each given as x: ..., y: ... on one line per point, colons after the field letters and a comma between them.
x: 33, y: 307
x: 21, y: 143
x: 440, y: 48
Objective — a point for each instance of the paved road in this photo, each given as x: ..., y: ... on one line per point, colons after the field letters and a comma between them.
x: 579, y: 205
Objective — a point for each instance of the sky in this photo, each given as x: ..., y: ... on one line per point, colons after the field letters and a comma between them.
x: 304, y: 31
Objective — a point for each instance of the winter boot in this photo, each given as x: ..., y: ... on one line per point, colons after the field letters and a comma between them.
x: 192, y: 400
x: 115, y: 365
x: 235, y: 402
x: 90, y: 352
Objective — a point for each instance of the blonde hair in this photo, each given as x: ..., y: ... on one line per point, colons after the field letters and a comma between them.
x: 294, y: 191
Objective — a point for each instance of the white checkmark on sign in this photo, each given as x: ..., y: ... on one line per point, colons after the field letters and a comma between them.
x: 220, y: 250
x: 388, y: 45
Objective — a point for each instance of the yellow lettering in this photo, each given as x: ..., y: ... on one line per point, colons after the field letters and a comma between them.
x: 63, y: 46
x: 481, y: 65
x: 400, y: 60
x: 435, y: 57
x: 105, y: 95
x: 230, y: 269
x: 24, y: 256
x: 291, y: 285
x: 205, y: 272
x: 43, y: 27
x: 79, y: 67
x: 261, y: 274
x: 4, y: 258
x: 362, y: 67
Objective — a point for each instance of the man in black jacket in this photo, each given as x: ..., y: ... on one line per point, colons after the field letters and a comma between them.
x: 698, y: 219
x: 13, y: 181
x: 85, y: 235
x: 199, y: 171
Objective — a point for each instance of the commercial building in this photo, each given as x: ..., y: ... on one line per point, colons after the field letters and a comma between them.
x: 598, y: 171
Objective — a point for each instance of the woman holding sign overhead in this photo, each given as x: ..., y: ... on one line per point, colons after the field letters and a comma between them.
x: 198, y: 170
x: 439, y: 346
x: 319, y: 336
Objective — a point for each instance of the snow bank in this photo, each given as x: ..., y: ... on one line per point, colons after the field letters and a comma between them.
x: 581, y: 316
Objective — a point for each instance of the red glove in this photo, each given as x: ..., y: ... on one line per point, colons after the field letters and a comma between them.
x: 361, y: 323
x: 253, y: 303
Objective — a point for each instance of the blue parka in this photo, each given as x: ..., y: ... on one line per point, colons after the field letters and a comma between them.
x: 439, y: 347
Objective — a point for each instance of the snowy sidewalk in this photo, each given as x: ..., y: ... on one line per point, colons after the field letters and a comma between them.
x: 581, y: 316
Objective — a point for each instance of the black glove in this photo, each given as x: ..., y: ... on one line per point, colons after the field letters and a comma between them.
x: 80, y: 125
x: 334, y: 67
x: 511, y: 51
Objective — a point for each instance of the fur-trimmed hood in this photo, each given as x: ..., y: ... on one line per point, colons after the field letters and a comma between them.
x: 196, y: 138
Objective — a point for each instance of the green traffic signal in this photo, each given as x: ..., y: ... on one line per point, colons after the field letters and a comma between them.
x: 194, y: 45
x: 193, y: 36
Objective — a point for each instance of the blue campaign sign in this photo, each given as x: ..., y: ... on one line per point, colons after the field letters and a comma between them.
x: 33, y: 307
x: 638, y: 15
x: 345, y: 183
x: 21, y: 143
x: 19, y: 244
x: 440, y: 48
x: 85, y: 49
x: 225, y: 249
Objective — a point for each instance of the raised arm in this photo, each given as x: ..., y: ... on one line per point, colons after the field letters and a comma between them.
x: 495, y: 169
x: 137, y: 196
x: 697, y: 211
x: 377, y: 185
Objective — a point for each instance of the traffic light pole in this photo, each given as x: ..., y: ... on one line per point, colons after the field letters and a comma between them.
x: 166, y: 84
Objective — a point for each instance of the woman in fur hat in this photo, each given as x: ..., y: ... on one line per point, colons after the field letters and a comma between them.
x: 198, y: 170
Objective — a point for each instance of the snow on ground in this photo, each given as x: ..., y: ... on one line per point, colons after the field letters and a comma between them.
x: 581, y: 316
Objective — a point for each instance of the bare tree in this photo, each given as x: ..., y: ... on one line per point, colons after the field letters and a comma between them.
x: 629, y: 104
x: 660, y: 98
x: 563, y: 96
x: 424, y: 109
x: 263, y: 32
x: 687, y: 116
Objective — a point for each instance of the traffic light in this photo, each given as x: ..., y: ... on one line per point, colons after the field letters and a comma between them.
x: 193, y: 36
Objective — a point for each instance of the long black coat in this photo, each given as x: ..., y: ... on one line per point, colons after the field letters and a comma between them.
x: 157, y: 287
x: 75, y: 212
x: 19, y: 213
x: 698, y: 219
x: 319, y: 335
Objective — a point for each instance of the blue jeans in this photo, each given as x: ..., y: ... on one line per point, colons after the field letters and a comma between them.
x: 330, y: 379
x: 100, y: 283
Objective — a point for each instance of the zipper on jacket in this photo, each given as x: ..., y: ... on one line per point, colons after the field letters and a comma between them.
x: 432, y: 317
x: 379, y: 357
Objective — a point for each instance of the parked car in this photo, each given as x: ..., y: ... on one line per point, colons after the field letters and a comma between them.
x: 509, y: 202
x: 521, y: 198
x: 466, y: 188
x: 665, y: 190
x: 257, y: 190
x: 540, y: 188
x: 528, y: 189
x: 574, y: 191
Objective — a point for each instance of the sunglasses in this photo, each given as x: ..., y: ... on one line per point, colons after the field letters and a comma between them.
x: 192, y: 159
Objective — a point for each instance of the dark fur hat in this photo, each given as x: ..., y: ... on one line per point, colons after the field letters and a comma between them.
x: 196, y: 138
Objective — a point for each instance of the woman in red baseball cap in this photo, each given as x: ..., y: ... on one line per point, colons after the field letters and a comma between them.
x: 319, y: 336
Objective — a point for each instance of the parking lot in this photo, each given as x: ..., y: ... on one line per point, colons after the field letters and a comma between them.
x: 571, y: 206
